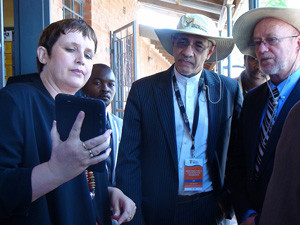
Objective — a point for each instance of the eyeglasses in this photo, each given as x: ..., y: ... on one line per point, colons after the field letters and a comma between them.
x: 198, y: 46
x: 270, y: 41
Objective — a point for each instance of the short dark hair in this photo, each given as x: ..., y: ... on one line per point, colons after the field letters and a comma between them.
x: 52, y: 32
x: 102, y: 67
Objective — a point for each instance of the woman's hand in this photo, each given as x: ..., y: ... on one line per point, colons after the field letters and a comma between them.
x: 123, y: 207
x: 72, y: 157
x: 68, y: 158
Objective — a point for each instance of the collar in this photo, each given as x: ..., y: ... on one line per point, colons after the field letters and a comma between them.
x: 184, y: 80
x: 287, y: 85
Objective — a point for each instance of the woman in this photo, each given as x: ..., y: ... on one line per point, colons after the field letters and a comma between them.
x: 42, y: 179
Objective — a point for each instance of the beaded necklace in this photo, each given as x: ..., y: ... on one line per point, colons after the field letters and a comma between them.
x: 91, y: 182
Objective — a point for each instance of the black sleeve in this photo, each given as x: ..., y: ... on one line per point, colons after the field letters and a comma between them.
x: 236, y: 171
x: 15, y: 182
x: 128, y: 174
x: 225, y: 199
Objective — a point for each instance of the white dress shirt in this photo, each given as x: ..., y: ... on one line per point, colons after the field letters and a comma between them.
x: 188, y: 88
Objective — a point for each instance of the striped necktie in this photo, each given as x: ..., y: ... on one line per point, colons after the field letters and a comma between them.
x: 266, y: 129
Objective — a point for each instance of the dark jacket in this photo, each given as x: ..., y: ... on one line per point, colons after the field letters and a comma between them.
x: 27, y: 111
x: 247, y: 192
x: 147, y: 169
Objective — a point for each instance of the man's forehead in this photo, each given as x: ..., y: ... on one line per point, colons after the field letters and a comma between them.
x: 273, y: 22
x: 103, y: 75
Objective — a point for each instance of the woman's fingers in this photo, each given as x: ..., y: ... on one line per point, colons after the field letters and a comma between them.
x: 73, y: 155
x: 76, y: 128
x: 99, y: 143
x: 55, y: 138
x: 100, y: 158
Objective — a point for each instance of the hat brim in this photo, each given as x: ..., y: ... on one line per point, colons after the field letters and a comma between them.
x: 244, y: 26
x: 224, y: 46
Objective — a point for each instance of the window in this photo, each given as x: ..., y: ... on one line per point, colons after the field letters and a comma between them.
x: 123, y: 64
x: 73, y: 9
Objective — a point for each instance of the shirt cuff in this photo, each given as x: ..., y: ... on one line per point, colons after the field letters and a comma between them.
x: 248, y: 214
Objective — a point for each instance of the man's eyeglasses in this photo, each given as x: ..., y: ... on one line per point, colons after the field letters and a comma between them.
x: 198, y: 46
x: 270, y: 41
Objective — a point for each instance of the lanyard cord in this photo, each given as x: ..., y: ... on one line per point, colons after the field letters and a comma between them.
x: 183, y: 111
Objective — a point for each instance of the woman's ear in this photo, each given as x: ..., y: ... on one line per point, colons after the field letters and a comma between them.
x: 42, y: 54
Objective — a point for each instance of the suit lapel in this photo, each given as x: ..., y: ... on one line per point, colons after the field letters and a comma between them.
x: 214, y: 110
x: 215, y: 113
x: 163, y: 96
x: 257, y: 107
x: 212, y: 93
x: 293, y: 98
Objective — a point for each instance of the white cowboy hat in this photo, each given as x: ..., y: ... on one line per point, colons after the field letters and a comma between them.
x: 198, y: 25
x: 245, y: 24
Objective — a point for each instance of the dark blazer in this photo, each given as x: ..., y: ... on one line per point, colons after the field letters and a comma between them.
x: 247, y: 192
x: 23, y: 78
x: 147, y: 169
x: 27, y: 111
x: 282, y: 205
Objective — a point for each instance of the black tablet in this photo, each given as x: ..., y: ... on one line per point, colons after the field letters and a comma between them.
x: 67, y: 108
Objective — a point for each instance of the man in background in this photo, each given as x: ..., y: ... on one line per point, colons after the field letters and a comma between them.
x: 102, y: 85
x: 251, y: 77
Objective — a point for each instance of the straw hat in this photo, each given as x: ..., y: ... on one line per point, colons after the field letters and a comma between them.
x: 245, y: 24
x: 198, y: 25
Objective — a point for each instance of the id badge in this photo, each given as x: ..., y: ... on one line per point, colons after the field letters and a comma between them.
x: 193, y: 175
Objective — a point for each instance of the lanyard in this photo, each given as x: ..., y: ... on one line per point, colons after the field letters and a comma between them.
x: 183, y: 111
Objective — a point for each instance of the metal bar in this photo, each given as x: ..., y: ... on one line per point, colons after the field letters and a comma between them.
x: 72, y: 12
x: 253, y: 4
x: 111, y: 51
x: 122, y: 28
x: 121, y: 76
x: 229, y: 34
x: 124, y: 63
x: 135, y: 49
x: 2, y: 77
x: 220, y: 62
x: 118, y: 69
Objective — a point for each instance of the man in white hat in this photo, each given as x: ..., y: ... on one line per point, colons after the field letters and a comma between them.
x: 271, y: 35
x: 176, y: 131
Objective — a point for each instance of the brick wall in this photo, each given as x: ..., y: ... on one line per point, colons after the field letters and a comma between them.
x: 109, y: 15
x: 56, y: 11
x: 150, y: 61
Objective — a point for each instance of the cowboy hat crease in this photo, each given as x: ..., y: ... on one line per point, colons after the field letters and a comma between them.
x: 197, y: 24
x: 244, y: 26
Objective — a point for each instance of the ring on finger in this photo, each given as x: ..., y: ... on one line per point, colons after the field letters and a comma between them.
x: 91, y: 154
x: 84, y: 146
x: 130, y: 217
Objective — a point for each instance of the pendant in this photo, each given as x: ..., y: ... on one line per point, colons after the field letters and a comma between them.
x: 91, y: 182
